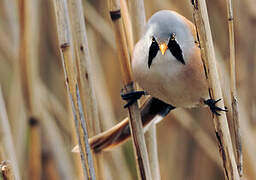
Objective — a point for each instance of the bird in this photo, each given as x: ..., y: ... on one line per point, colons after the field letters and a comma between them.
x: 167, y: 65
x: 167, y: 61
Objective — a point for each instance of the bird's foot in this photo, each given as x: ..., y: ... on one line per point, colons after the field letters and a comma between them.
x: 215, y: 109
x: 131, y: 97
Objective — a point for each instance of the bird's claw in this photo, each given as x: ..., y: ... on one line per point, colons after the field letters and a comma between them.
x: 215, y: 109
x: 131, y: 97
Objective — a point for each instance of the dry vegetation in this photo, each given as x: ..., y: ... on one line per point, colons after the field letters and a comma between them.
x: 60, y: 79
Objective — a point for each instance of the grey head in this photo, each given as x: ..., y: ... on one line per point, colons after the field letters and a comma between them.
x: 168, y: 31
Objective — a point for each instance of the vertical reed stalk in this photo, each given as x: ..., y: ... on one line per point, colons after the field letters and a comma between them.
x: 138, y: 18
x: 11, y: 9
x: 135, y: 119
x: 57, y: 145
x: 85, y: 79
x: 134, y: 31
x: 101, y: 26
x: 151, y: 142
x: 54, y: 107
x: 29, y: 75
x: 84, y: 61
x: 28, y: 52
x: 69, y: 66
x: 249, y: 142
x: 127, y: 26
x: 235, y: 113
x: 106, y: 109
x: 17, y: 115
x: 12, y: 15
x: 7, y: 138
x: 35, y: 165
x: 208, y: 57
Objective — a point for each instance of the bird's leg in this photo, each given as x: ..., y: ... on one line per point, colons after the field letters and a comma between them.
x: 131, y: 97
x: 212, y: 104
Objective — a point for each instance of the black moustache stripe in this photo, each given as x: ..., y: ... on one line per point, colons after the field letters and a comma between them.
x: 176, y: 51
x: 152, y: 52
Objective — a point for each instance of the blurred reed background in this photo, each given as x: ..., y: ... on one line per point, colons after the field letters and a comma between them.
x: 37, y: 131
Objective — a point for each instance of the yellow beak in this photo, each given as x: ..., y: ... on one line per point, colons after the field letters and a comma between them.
x: 163, y: 47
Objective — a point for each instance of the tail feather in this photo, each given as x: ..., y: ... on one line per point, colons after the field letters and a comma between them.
x: 111, y: 137
x: 121, y: 132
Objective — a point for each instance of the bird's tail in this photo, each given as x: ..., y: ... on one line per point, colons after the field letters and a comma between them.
x: 118, y: 134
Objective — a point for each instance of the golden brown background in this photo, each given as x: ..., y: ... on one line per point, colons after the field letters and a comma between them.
x: 187, y: 147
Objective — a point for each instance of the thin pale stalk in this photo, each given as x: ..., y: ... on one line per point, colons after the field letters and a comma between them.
x: 227, y: 99
x: 84, y: 62
x: 6, y: 48
x: 7, y: 140
x: 137, y: 26
x: 28, y: 52
x: 100, y: 25
x: 248, y: 141
x: 139, y: 144
x: 209, y: 60
x: 235, y: 113
x: 17, y: 115
x: 138, y: 18
x: 16, y: 107
x: 69, y: 67
x: 127, y: 26
x: 151, y: 142
x: 53, y: 132
x: 29, y: 75
x: 57, y: 146
x: 85, y: 80
x: 13, y: 23
x: 35, y: 149
x: 54, y: 107
x: 78, y: 161
x: 106, y: 109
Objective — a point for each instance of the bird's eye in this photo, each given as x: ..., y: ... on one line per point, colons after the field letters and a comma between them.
x: 153, y: 39
x: 173, y: 36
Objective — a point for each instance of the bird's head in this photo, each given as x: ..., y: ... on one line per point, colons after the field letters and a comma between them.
x: 168, y: 31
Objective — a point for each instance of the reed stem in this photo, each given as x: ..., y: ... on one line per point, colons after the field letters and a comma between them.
x: 139, y: 144
x: 85, y: 80
x: 69, y: 67
x: 235, y: 125
x: 7, y: 140
x: 29, y: 75
x: 209, y: 60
